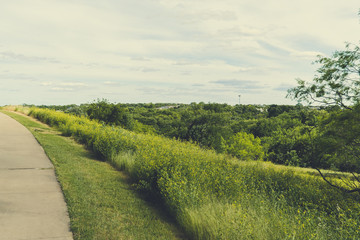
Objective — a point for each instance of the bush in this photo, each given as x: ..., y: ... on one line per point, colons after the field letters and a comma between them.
x: 245, y: 146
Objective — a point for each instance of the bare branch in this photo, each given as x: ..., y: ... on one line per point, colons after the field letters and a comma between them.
x: 356, y: 177
x: 357, y: 189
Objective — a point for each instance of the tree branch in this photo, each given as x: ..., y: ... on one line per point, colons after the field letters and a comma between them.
x: 337, y: 187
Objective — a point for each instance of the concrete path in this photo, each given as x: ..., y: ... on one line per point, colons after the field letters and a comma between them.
x: 32, y: 205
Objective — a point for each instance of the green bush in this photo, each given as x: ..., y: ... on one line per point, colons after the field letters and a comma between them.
x: 245, y: 146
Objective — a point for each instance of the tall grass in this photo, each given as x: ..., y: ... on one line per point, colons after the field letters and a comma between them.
x: 101, y: 203
x: 213, y: 196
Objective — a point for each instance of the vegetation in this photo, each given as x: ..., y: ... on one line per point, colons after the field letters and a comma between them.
x: 337, y: 143
x: 338, y: 82
x: 207, y: 189
x: 213, y: 196
x: 215, y: 126
x: 101, y: 202
x: 288, y: 135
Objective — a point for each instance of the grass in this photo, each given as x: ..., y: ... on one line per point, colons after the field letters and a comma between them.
x: 101, y: 201
x: 215, y: 197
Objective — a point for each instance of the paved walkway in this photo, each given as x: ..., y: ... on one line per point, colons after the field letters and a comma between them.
x: 32, y: 205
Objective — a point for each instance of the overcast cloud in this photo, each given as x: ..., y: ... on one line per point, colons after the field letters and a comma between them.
x: 63, y: 52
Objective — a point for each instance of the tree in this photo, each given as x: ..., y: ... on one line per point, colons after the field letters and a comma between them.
x: 209, y: 129
x: 99, y: 110
x: 110, y: 113
x: 337, y: 81
x: 340, y: 140
x: 275, y: 110
x: 245, y: 146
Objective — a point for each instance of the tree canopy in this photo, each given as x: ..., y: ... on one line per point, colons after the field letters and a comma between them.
x: 337, y: 81
x: 337, y: 144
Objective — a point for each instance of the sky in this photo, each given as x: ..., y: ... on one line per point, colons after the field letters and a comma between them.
x: 58, y: 52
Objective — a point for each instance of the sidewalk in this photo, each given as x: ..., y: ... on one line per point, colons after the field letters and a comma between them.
x: 32, y: 205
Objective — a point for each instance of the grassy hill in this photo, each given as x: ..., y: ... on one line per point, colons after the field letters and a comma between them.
x: 214, y: 196
x: 101, y: 201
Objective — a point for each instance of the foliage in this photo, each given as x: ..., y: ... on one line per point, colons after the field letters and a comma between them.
x: 100, y: 200
x: 213, y: 125
x: 275, y: 110
x: 245, y: 146
x: 215, y: 197
x: 208, y: 129
x: 289, y: 135
x: 337, y: 82
x: 339, y: 140
x: 111, y: 114
x: 337, y: 144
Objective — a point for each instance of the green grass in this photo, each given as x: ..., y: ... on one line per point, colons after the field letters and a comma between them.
x: 101, y: 201
x: 213, y: 196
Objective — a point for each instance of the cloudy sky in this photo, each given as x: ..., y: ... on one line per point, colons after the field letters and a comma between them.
x: 64, y: 52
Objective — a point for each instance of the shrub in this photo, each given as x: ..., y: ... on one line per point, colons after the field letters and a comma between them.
x: 245, y: 146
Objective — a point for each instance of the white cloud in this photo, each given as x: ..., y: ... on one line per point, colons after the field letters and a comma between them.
x: 64, y: 86
x: 307, y: 55
x: 73, y: 84
x: 109, y: 83
x: 115, y: 48
x: 62, y: 89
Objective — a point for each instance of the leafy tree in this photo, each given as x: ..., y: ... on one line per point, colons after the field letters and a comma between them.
x: 241, y: 111
x: 245, y: 147
x: 337, y: 81
x: 99, y: 110
x: 340, y: 140
x: 209, y: 129
x: 275, y: 110
x: 216, y: 107
x: 111, y: 114
x: 265, y: 127
x: 290, y: 146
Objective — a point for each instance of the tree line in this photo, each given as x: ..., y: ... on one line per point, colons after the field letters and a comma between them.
x: 278, y: 133
x: 323, y: 135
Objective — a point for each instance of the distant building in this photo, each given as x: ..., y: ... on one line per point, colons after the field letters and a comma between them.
x: 167, y: 107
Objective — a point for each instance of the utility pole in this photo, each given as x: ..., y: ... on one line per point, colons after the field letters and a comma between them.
x: 239, y: 99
